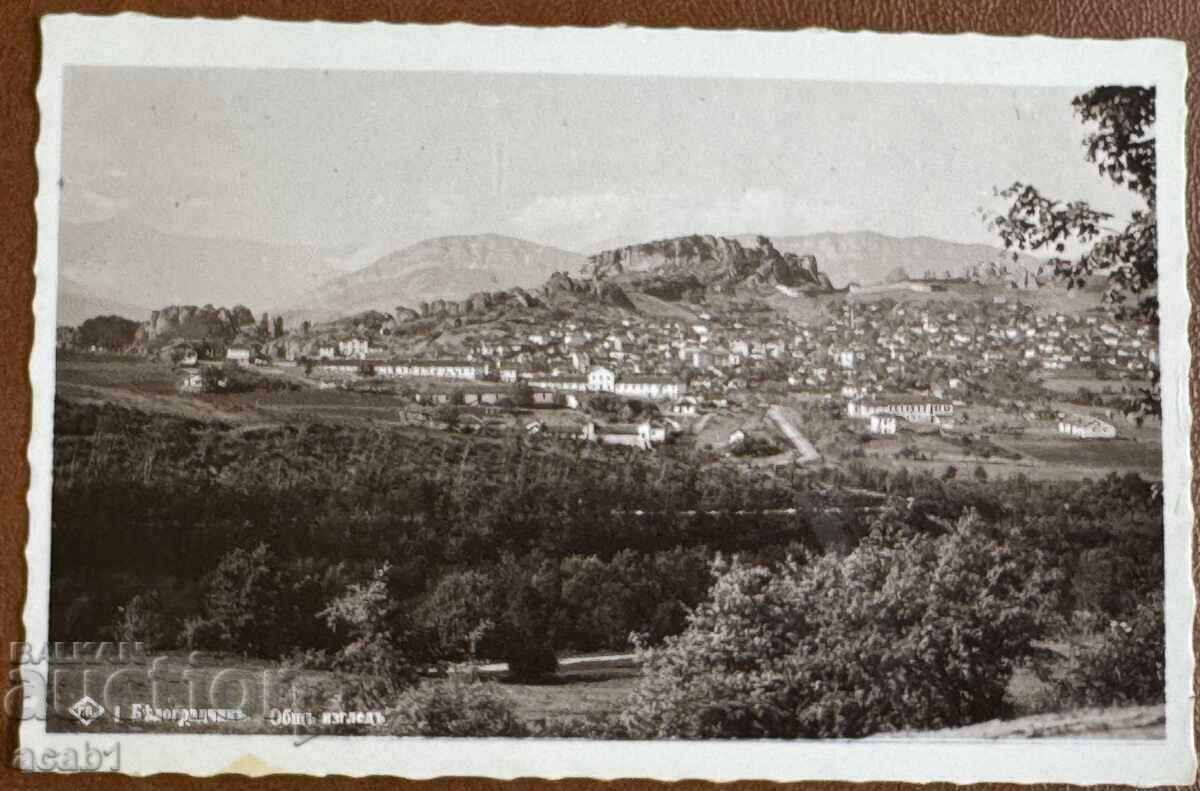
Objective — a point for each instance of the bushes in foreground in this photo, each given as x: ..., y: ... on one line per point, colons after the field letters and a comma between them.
x: 906, y: 632
x: 455, y: 707
x: 1122, y: 665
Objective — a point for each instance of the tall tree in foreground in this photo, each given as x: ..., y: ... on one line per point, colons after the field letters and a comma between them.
x: 1121, y: 145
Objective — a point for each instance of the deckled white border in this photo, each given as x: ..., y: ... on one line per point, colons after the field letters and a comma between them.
x: 130, y: 39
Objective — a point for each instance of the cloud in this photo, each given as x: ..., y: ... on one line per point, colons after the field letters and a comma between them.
x: 589, y: 221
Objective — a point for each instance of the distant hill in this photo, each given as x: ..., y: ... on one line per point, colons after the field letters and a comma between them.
x: 865, y: 257
x: 447, y: 268
x: 121, y: 262
x: 77, y: 303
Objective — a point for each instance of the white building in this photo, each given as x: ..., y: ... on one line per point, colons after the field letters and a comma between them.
x: 568, y: 383
x: 358, y: 348
x: 601, y: 380
x: 239, y: 355
x: 1083, y: 427
x: 917, y: 409
x: 435, y: 369
x: 883, y: 423
x: 654, y: 387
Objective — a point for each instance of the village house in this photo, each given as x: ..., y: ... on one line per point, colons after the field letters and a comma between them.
x: 883, y: 423
x: 193, y: 381
x: 239, y: 355
x: 687, y: 405
x: 1084, y: 427
x: 357, y: 348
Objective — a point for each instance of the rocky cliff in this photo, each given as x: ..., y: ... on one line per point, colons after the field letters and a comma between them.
x: 191, y: 322
x: 560, y: 292
x: 675, y: 267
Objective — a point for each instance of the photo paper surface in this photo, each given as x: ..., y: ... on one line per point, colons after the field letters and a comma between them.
x: 610, y: 403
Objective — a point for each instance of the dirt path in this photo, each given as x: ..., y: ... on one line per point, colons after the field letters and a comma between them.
x: 786, y: 419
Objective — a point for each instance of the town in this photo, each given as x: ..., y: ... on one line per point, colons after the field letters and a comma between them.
x: 890, y: 367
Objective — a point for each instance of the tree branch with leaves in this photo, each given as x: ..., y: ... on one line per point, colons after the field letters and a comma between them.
x: 1122, y: 147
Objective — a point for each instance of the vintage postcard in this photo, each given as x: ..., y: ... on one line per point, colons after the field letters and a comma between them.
x: 610, y: 403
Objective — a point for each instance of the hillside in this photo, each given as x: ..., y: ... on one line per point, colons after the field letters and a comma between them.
x: 865, y: 257
x: 446, y: 268
x: 77, y: 303
x: 120, y: 261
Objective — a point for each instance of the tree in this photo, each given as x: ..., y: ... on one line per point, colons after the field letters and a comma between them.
x: 366, y: 615
x: 111, y: 333
x: 278, y: 327
x: 908, y: 631
x: 1121, y: 145
x: 243, y: 600
x: 458, y: 613
x: 264, y: 326
x: 528, y: 626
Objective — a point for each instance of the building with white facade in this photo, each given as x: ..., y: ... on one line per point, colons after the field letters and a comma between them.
x: 883, y: 423
x: 357, y: 348
x: 917, y: 409
x: 1084, y: 427
x: 435, y: 369
x: 239, y: 355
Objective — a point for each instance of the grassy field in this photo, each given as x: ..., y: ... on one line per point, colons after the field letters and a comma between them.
x: 1123, y: 455
x: 572, y: 694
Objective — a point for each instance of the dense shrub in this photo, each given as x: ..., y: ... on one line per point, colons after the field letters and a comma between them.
x: 454, y: 707
x: 1124, y: 664
x: 905, y: 632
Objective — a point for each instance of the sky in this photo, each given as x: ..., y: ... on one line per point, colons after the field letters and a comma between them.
x: 359, y: 164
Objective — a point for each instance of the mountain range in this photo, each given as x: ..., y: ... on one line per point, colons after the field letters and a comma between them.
x: 445, y: 268
x: 865, y: 257
x: 124, y: 268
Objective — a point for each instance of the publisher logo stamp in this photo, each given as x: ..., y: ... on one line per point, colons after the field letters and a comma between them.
x: 86, y: 710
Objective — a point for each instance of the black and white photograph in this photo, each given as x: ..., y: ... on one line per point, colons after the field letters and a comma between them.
x: 638, y: 408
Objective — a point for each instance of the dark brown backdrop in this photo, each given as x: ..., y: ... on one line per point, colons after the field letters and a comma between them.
x: 19, y: 57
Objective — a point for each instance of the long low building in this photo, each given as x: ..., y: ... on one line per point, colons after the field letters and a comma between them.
x: 655, y: 387
x: 603, y: 380
x: 916, y: 409
x: 434, y: 369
